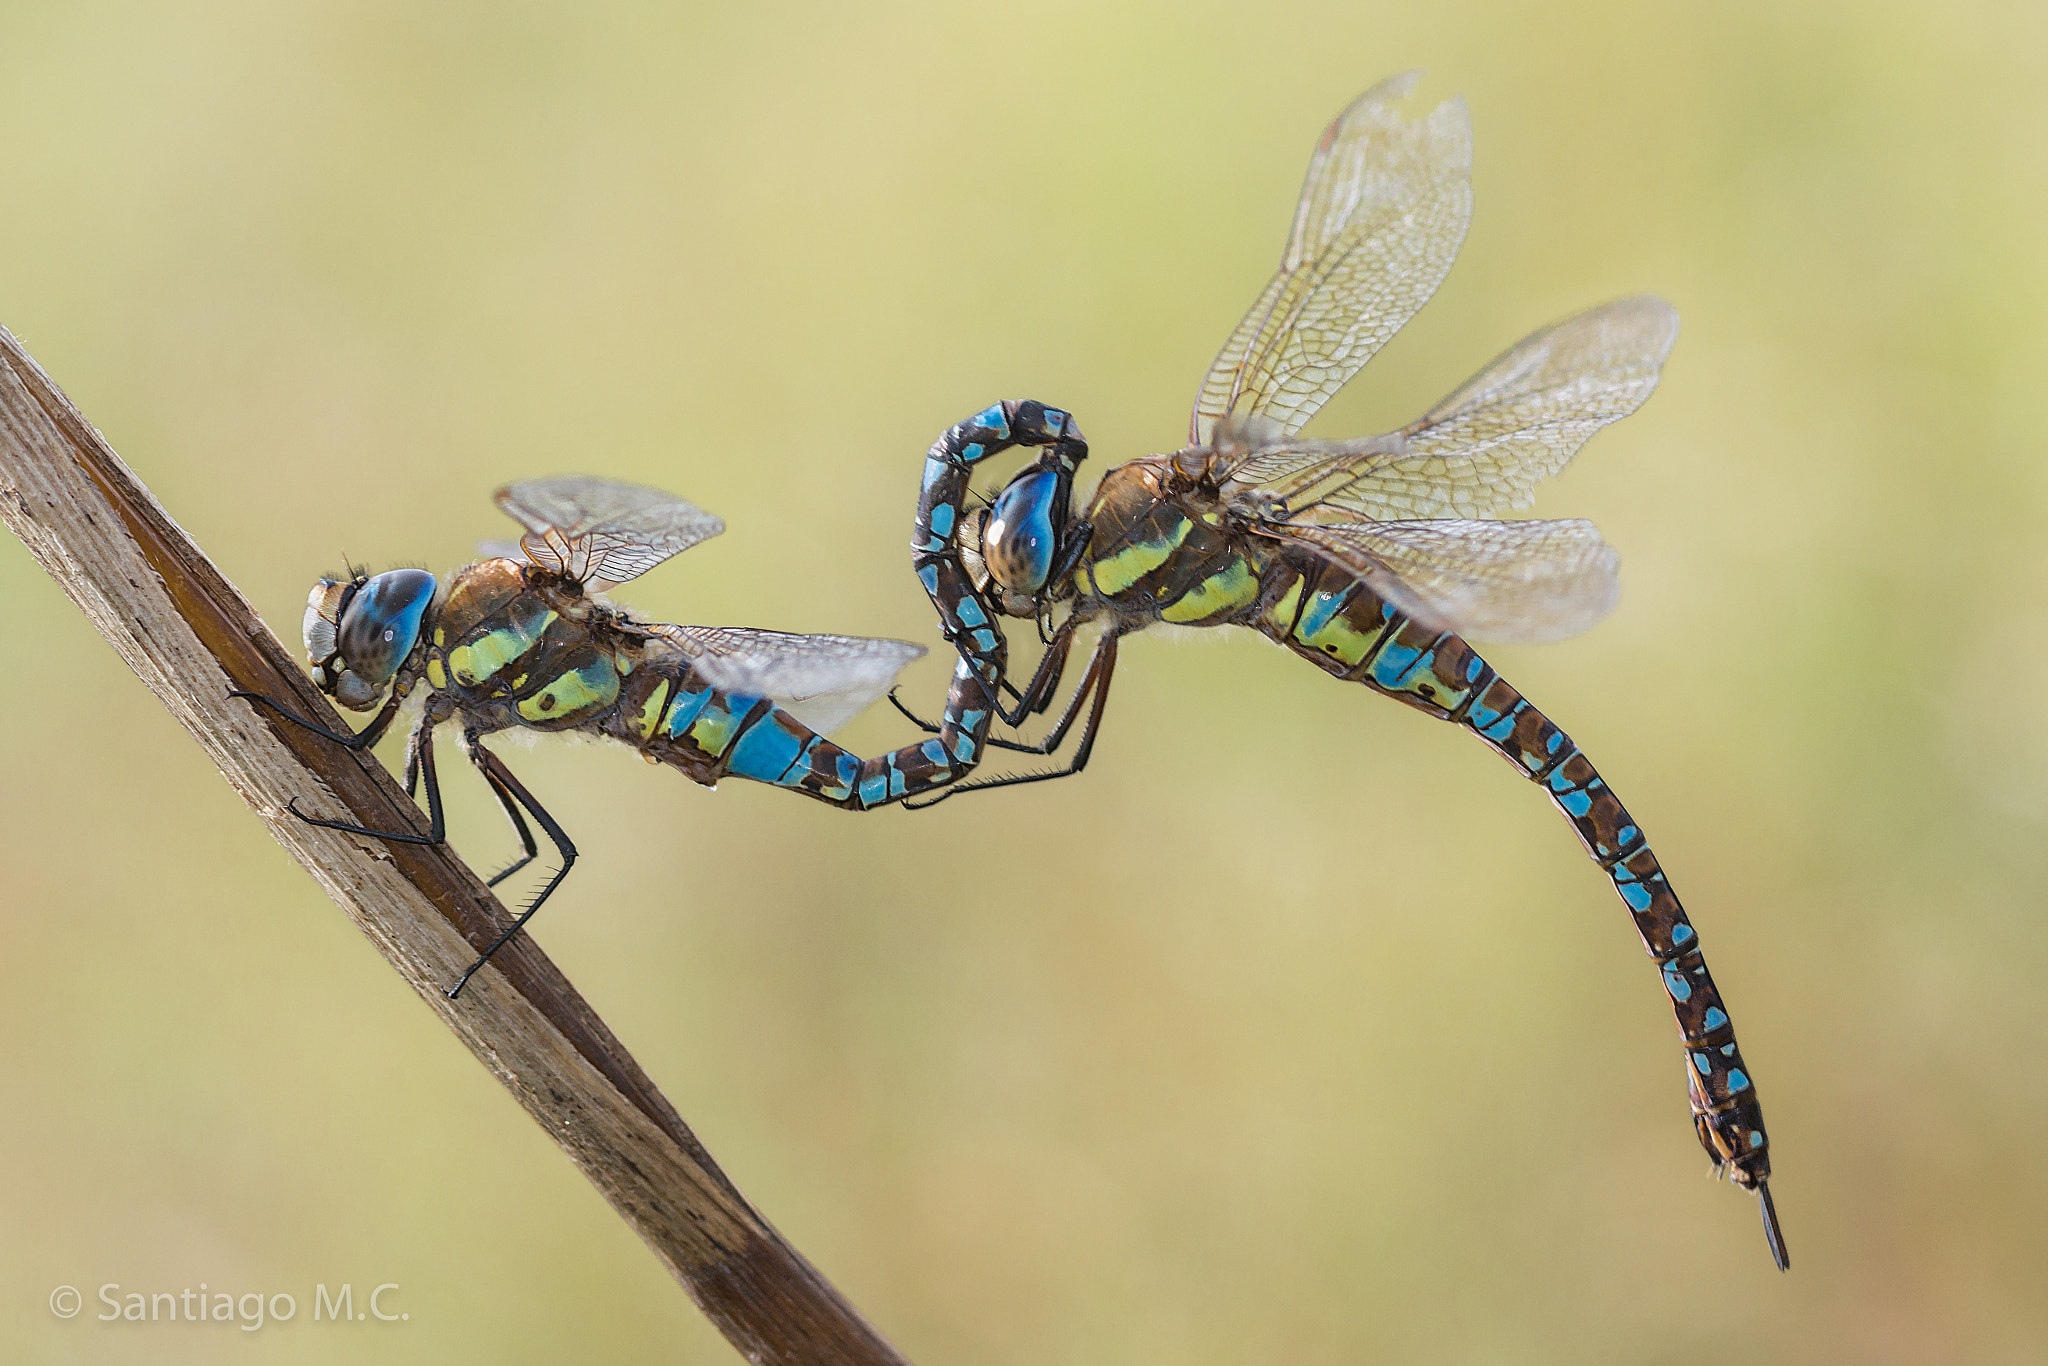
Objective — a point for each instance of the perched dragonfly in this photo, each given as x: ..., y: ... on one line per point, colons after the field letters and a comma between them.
x: 1371, y: 557
x: 523, y: 641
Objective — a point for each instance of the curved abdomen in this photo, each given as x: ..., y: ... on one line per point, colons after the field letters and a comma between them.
x: 1329, y: 617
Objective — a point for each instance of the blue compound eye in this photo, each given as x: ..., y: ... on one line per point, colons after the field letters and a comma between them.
x: 380, y: 627
x: 1017, y: 543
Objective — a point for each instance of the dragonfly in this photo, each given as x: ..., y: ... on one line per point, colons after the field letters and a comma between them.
x: 1373, y: 558
x: 527, y: 641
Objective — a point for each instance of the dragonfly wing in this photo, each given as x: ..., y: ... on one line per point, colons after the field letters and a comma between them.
x: 1517, y: 582
x: 600, y: 531
x: 1382, y: 213
x: 822, y: 680
x: 1484, y: 449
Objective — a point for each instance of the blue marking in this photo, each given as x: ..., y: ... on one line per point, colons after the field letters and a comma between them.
x: 1393, y: 663
x: 872, y: 790
x: 942, y: 520
x: 896, y: 786
x: 930, y: 545
x: 1556, y: 739
x: 1635, y: 894
x: 1576, y: 803
x: 1716, y: 1017
x: 929, y: 577
x: 969, y: 720
x: 1680, y: 989
x: 971, y: 613
x: 1055, y: 420
x: 683, y: 709
x: 934, y: 751
x: 935, y: 469
x: 1626, y: 834
x: 1682, y: 934
x: 973, y: 451
x: 1727, y: 1050
x: 847, y: 770
x: 1736, y: 1081
x: 1479, y: 716
x: 1503, y: 728
x: 963, y: 747
x: 1473, y: 666
x: 765, y: 752
x: 790, y: 776
x: 1756, y: 1138
x: 1704, y: 1064
x: 993, y: 420
x: 985, y: 641
x: 1317, y: 614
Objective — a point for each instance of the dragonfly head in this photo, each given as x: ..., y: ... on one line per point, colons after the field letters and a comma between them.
x: 1025, y: 538
x: 359, y: 631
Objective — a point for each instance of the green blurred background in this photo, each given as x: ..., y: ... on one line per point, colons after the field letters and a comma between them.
x: 1297, y: 1028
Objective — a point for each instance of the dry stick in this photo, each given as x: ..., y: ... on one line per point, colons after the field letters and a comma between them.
x: 191, y: 637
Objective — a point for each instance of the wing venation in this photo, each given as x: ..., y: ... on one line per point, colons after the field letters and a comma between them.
x: 600, y: 531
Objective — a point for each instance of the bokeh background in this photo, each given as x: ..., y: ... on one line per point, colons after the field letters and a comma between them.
x: 1297, y: 1028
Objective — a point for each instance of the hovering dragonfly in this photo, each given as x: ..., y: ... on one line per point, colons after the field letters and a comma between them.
x: 1371, y: 556
x: 522, y: 641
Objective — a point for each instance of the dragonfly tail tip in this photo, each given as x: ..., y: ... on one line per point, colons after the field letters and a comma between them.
x: 1773, y: 1234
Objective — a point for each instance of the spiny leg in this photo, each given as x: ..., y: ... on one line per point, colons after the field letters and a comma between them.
x: 1036, y: 697
x: 419, y: 760
x: 933, y: 728
x: 512, y: 813
x: 362, y: 739
x: 509, y: 790
x: 1100, y: 667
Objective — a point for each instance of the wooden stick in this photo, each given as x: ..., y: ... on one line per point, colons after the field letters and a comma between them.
x: 191, y: 637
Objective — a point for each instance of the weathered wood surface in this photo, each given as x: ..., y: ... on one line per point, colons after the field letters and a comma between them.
x: 190, y: 636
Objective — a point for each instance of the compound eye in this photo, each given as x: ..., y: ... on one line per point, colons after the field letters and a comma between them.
x: 1017, y: 543
x: 382, y: 624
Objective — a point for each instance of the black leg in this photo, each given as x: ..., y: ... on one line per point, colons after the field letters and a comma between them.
x: 928, y: 728
x: 362, y: 739
x: 1100, y: 667
x: 509, y: 790
x: 512, y: 812
x: 420, y: 760
x: 1045, y: 680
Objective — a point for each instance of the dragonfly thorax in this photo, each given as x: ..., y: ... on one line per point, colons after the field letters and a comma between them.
x: 360, y: 630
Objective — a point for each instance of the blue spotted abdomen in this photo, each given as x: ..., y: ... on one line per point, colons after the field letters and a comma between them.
x: 676, y: 718
x: 1328, y: 616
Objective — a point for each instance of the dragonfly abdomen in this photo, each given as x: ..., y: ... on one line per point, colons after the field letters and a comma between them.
x: 675, y: 717
x: 1349, y: 631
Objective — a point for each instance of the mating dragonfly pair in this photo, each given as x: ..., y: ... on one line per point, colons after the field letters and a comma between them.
x: 1372, y: 557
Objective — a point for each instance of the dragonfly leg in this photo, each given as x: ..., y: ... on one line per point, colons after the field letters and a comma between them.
x: 419, y: 760
x: 509, y: 790
x: 519, y: 826
x: 362, y: 739
x: 1101, y: 665
x: 933, y: 728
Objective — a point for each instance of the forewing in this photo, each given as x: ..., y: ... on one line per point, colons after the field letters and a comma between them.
x: 1484, y: 449
x: 600, y: 531
x: 1382, y: 212
x: 822, y: 680
x: 1517, y: 582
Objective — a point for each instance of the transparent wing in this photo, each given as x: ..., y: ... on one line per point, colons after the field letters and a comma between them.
x: 1517, y: 582
x: 824, y: 681
x: 599, y: 531
x: 1484, y: 449
x: 1381, y: 215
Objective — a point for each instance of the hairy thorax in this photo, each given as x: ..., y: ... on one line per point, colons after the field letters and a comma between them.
x: 1165, y: 549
